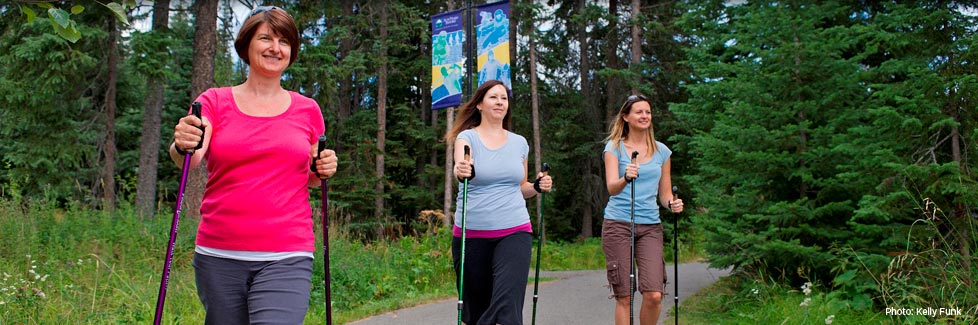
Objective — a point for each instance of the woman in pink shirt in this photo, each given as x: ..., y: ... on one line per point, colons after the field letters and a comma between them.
x: 255, y: 242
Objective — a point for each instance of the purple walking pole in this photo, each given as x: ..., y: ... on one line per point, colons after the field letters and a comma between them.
x: 195, y: 109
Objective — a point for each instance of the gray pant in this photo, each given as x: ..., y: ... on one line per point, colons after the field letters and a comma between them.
x: 245, y: 292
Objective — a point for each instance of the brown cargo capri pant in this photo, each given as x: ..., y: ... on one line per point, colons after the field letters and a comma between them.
x: 615, y: 241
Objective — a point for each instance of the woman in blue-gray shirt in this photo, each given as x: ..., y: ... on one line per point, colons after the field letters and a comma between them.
x: 649, y: 174
x: 498, y: 240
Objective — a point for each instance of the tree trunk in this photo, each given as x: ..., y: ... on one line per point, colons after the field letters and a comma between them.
x: 594, y: 127
x: 149, y: 144
x: 381, y: 121
x: 636, y: 43
x: 614, y: 84
x: 449, y: 162
x: 202, y: 78
x: 108, y: 173
x: 345, y: 101
x: 535, y: 109
x: 449, y: 159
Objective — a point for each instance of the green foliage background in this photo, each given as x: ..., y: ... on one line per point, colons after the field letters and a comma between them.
x: 808, y: 138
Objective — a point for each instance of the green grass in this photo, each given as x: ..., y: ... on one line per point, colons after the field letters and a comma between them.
x: 737, y: 300
x: 77, y: 265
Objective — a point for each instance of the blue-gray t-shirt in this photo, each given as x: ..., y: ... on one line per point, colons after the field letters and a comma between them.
x: 495, y: 200
x: 646, y: 186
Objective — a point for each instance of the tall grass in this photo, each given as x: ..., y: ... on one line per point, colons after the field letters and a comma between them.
x: 76, y: 265
x: 73, y: 265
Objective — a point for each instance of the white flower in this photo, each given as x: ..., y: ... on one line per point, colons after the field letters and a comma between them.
x: 28, y: 255
x: 1, y: 302
x: 804, y: 303
x: 828, y: 320
x: 806, y: 288
x: 755, y: 291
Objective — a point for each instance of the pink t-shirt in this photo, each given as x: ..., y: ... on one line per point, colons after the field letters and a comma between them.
x: 257, y: 196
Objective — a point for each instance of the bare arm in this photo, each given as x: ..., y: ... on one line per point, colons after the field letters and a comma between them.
x: 666, y: 197
x: 617, y: 184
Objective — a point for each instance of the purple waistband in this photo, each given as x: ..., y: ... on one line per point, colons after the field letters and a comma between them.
x: 498, y: 233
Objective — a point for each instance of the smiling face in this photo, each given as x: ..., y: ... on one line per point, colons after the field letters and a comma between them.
x: 269, y: 52
x: 639, y: 116
x: 495, y: 104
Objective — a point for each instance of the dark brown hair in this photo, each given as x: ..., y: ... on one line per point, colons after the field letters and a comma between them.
x: 468, y: 115
x: 278, y: 20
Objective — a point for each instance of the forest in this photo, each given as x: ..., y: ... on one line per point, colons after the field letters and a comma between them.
x: 829, y: 139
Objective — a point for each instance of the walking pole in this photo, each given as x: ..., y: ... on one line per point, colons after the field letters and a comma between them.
x: 675, y: 251
x: 631, y: 261
x: 461, y: 269
x: 536, y: 278
x: 324, y: 188
x: 194, y: 109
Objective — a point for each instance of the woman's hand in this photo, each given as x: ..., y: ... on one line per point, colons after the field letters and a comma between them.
x: 187, y: 135
x: 326, y: 164
x: 631, y: 171
x: 463, y: 169
x: 543, y: 184
x: 676, y: 206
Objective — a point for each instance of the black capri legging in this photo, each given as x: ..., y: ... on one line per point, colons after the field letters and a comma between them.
x: 496, y: 271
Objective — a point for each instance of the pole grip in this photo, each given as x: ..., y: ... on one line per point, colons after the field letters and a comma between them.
x: 545, y: 169
x: 195, y: 110
x: 634, y: 156
x: 321, y: 146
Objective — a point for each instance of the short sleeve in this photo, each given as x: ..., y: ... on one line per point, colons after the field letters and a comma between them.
x: 662, y: 152
x: 209, y: 103
x: 610, y: 147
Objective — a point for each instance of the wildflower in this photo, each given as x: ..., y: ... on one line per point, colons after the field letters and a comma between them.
x: 1, y: 303
x: 755, y: 291
x: 804, y: 303
x: 806, y: 288
x: 79, y: 261
x: 28, y: 256
x: 828, y: 320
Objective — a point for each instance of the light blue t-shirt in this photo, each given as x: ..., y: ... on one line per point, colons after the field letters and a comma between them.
x: 495, y: 200
x: 646, y: 186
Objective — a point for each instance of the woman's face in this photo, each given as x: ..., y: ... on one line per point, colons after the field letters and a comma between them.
x: 269, y: 52
x: 640, y: 116
x: 495, y: 104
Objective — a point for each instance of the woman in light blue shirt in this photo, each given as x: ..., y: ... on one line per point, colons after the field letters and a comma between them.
x: 498, y: 240
x: 650, y: 176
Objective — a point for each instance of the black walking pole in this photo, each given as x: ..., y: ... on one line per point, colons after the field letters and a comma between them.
x: 536, y: 278
x: 324, y: 189
x: 194, y: 109
x: 631, y: 261
x: 461, y: 269
x: 675, y: 251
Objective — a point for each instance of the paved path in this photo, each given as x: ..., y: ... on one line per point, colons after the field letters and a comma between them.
x: 576, y: 297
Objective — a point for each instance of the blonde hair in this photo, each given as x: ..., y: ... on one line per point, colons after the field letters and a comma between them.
x: 618, y: 130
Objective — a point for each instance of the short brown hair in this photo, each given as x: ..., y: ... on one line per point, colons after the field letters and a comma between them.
x: 278, y: 20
